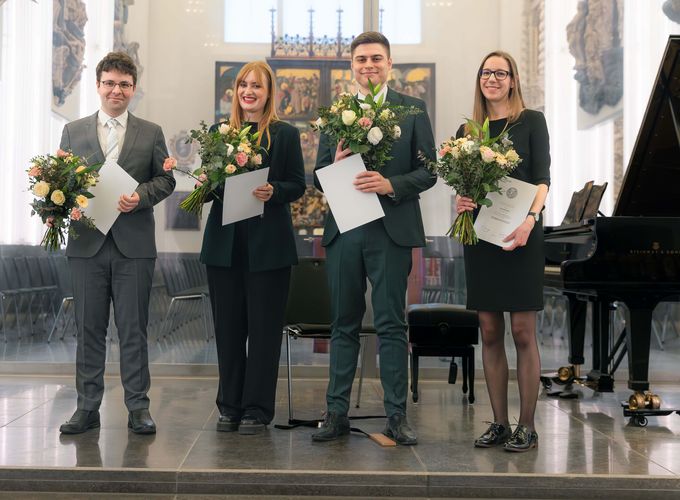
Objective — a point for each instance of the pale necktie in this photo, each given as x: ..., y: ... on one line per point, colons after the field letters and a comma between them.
x: 112, y: 140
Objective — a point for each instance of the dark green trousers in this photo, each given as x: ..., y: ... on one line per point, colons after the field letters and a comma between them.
x: 368, y: 252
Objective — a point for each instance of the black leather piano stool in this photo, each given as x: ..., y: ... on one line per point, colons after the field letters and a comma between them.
x: 444, y: 330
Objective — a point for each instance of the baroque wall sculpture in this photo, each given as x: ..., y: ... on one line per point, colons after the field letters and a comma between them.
x: 672, y: 10
x: 594, y: 37
x: 68, y: 47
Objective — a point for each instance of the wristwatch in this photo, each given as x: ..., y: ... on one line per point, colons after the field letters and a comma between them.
x: 535, y: 215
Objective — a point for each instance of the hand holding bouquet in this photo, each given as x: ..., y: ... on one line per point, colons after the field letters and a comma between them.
x: 224, y: 152
x: 473, y: 165
x: 369, y: 127
x: 60, y: 183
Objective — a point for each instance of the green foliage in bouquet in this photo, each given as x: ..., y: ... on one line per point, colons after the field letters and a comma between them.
x: 473, y: 166
x: 225, y: 152
x: 369, y: 127
x: 60, y: 184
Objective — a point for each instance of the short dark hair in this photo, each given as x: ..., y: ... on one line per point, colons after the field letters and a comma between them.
x: 370, y: 37
x: 118, y: 61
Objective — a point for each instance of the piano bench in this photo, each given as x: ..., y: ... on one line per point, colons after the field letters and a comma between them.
x: 443, y: 330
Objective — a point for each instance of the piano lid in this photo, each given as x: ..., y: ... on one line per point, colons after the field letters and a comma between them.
x: 650, y: 186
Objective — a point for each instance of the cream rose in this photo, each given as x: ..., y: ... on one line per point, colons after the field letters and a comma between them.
x: 58, y: 197
x: 230, y: 149
x: 348, y: 117
x: 500, y: 159
x: 512, y: 156
x: 386, y: 114
x: 397, y: 132
x: 374, y: 135
x: 41, y: 188
x: 230, y: 169
x: 224, y: 128
x: 487, y: 154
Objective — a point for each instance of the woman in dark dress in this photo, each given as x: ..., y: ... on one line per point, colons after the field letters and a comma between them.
x: 248, y: 263
x: 510, y: 278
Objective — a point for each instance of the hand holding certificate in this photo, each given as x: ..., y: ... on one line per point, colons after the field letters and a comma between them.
x: 351, y: 208
x: 113, y: 182
x: 508, y: 210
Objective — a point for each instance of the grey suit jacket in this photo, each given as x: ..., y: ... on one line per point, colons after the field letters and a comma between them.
x: 142, y: 157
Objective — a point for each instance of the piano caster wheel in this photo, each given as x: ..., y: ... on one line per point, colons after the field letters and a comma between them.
x: 652, y: 401
x: 565, y: 374
x: 639, y: 421
x: 636, y: 401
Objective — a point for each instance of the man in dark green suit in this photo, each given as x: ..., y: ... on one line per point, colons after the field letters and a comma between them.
x: 379, y: 251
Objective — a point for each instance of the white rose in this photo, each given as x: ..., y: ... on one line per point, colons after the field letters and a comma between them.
x: 397, y: 131
x: 374, y: 135
x: 320, y: 122
x: 230, y: 149
x: 224, y: 128
x: 348, y: 117
x: 468, y: 147
x: 364, y: 106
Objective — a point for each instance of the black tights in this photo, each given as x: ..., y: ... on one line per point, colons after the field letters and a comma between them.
x: 523, y: 325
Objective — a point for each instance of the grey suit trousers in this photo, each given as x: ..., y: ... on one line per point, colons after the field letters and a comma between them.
x: 109, y: 275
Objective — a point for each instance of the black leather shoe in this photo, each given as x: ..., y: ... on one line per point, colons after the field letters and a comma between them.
x: 140, y: 422
x: 228, y: 423
x: 333, y: 427
x: 81, y: 421
x: 397, y: 428
x: 522, y: 440
x: 495, y: 435
x: 250, y: 424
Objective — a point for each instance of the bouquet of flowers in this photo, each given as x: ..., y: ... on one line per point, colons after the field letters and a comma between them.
x: 369, y: 127
x: 60, y: 183
x: 473, y: 165
x: 224, y: 152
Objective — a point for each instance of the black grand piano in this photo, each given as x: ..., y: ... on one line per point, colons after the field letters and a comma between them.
x: 632, y: 257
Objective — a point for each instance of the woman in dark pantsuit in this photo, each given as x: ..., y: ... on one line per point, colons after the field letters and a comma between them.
x: 248, y: 263
x: 510, y: 278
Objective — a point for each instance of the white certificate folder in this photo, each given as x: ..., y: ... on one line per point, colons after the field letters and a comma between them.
x: 508, y: 211
x: 239, y: 203
x: 114, y: 181
x: 351, y: 208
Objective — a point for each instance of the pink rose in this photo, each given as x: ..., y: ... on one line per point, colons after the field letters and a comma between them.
x: 169, y: 164
x: 76, y: 214
x: 241, y: 159
x: 365, y: 122
x: 444, y: 150
x: 34, y: 171
x: 62, y: 154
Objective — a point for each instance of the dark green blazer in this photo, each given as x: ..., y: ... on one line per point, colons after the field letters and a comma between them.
x: 407, y: 174
x: 271, y: 241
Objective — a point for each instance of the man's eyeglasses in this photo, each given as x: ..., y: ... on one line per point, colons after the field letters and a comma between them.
x: 110, y: 85
x: 500, y: 74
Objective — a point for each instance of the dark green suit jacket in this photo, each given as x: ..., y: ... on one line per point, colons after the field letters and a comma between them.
x: 271, y: 241
x: 407, y: 174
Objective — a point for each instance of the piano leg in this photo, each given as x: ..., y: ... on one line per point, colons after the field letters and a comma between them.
x: 600, y: 379
x: 577, y: 329
x: 638, y: 342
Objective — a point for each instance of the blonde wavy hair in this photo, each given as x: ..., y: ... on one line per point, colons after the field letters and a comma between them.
x: 265, y: 77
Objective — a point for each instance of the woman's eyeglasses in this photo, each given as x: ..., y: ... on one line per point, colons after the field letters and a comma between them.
x: 500, y: 74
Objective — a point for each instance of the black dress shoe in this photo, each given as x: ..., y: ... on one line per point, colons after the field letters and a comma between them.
x: 228, y: 423
x: 397, y: 428
x: 333, y: 427
x: 250, y: 424
x: 522, y: 440
x: 140, y: 422
x: 495, y: 435
x: 81, y: 421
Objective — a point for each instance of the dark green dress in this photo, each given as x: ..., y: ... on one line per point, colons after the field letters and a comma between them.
x: 498, y: 280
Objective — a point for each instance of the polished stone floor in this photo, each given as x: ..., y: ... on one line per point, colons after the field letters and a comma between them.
x: 587, y: 448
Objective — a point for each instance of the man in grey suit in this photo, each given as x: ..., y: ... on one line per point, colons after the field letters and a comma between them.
x: 118, y: 265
